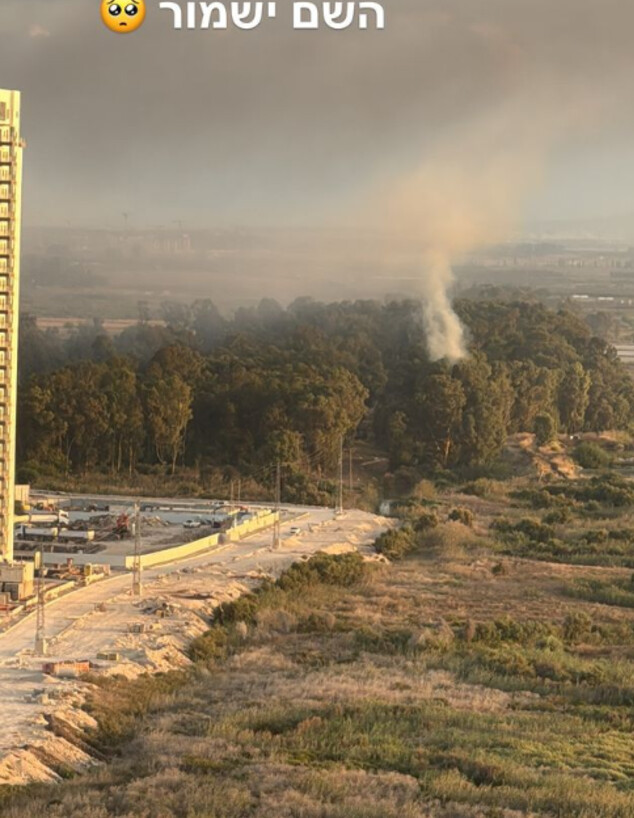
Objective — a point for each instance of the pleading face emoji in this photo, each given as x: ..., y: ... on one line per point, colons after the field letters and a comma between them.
x: 123, y: 16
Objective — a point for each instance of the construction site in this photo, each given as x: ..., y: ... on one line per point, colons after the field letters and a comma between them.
x: 128, y: 621
x: 62, y: 542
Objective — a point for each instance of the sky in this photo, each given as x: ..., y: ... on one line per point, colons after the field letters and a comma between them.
x: 522, y: 108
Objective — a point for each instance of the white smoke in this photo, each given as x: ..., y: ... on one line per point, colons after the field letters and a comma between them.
x: 445, y: 334
x: 468, y: 193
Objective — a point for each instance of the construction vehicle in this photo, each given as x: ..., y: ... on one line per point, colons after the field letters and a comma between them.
x: 49, y: 518
x: 66, y: 535
x: 123, y: 528
x: 27, y: 532
x: 98, y: 507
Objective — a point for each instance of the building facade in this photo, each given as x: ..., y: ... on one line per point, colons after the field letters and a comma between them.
x: 11, y: 147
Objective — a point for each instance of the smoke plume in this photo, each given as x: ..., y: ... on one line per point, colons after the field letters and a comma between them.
x: 471, y: 189
x: 445, y: 334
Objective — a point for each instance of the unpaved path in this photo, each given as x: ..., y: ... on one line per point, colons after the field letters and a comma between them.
x: 98, y: 618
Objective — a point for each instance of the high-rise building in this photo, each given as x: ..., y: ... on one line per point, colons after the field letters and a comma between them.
x: 11, y: 146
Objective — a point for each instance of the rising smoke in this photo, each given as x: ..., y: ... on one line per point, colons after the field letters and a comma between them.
x: 468, y: 193
x: 471, y: 189
x: 445, y: 334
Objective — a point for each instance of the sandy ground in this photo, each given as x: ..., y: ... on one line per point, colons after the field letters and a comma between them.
x: 98, y: 618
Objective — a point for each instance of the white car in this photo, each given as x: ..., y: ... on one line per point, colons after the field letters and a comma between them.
x: 192, y: 524
x: 295, y: 529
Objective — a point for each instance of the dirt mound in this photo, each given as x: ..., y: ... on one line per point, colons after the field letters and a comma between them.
x: 46, y: 760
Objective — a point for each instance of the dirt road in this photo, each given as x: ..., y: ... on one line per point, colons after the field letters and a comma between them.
x: 98, y: 618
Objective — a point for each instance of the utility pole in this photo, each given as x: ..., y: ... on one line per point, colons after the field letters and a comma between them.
x: 278, y: 495
x: 136, y: 567
x: 40, y: 622
x: 339, y: 509
x: 239, y: 489
x: 231, y: 494
x: 350, y: 468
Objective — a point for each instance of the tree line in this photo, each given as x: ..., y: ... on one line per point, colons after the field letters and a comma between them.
x: 289, y: 384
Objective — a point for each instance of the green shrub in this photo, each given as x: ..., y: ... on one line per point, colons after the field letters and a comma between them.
x: 599, y: 535
x: 211, y: 646
x: 27, y: 475
x: 484, y: 487
x: 397, y: 543
x: 426, y: 520
x: 608, y: 489
x: 507, y: 629
x: 591, y: 456
x: 558, y: 516
x: 242, y: 609
x: 500, y: 569
x: 551, y: 643
x: 462, y: 515
x: 424, y: 490
x: 343, y: 570
x: 542, y: 498
x: 530, y: 529
x: 577, y: 627
x: 618, y: 593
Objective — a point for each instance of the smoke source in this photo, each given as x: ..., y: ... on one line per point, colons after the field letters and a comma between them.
x: 445, y: 334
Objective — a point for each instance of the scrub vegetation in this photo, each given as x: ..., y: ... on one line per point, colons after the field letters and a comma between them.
x: 468, y: 677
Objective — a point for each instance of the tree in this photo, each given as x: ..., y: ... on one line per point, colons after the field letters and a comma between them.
x: 168, y: 406
x: 399, y: 442
x: 176, y: 315
x: 208, y: 324
x: 440, y: 413
x: 574, y: 397
x: 486, y: 416
x: 535, y: 392
x: 545, y: 429
x: 125, y: 413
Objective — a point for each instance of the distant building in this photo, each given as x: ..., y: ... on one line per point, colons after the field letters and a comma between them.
x: 11, y: 146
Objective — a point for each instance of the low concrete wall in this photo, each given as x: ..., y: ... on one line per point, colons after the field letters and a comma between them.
x: 113, y: 560
x: 177, y: 552
x: 191, y: 549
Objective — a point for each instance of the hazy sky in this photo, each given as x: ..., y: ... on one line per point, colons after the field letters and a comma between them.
x: 276, y: 126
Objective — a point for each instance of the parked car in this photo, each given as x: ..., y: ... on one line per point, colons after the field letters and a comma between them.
x: 192, y: 524
x: 295, y: 529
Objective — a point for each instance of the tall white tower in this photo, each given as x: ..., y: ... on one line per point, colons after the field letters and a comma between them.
x: 11, y: 146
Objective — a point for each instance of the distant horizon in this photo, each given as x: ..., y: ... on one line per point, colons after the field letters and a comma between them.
x: 531, y: 234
